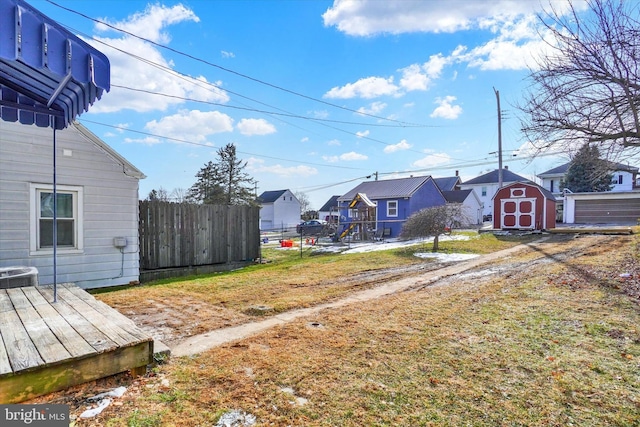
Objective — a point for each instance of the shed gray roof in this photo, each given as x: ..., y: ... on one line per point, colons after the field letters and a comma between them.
x: 387, y: 189
x: 492, y: 178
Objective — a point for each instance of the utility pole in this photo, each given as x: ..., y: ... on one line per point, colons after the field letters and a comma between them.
x: 499, y: 139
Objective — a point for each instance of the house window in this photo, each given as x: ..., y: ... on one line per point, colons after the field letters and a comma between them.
x: 69, y: 218
x: 484, y: 191
x: 392, y: 208
x: 619, y: 179
x: 551, y: 186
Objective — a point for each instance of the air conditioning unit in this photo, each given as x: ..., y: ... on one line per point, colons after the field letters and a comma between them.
x: 16, y: 277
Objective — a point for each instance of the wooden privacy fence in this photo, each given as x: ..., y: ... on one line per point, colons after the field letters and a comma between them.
x: 176, y: 235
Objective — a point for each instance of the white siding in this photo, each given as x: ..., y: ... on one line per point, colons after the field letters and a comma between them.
x: 282, y: 213
x: 485, y: 201
x: 110, y: 205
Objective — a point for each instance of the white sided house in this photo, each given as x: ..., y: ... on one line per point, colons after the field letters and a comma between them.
x: 279, y: 209
x: 97, y: 206
x: 486, y: 186
x: 595, y: 207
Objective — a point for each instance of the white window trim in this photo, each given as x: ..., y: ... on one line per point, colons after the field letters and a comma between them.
x: 34, y: 204
x: 388, y: 214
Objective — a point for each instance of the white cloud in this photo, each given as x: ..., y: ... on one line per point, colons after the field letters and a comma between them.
x: 149, y: 140
x: 334, y: 142
x: 362, y: 134
x: 400, y: 146
x: 352, y: 156
x: 300, y: 171
x: 368, y: 87
x: 513, y: 25
x: 151, y: 23
x: 375, y: 108
x: 305, y: 139
x: 330, y: 159
x: 419, y: 77
x: 226, y: 54
x: 193, y: 125
x: 347, y: 157
x: 255, y: 127
x: 446, y: 109
x: 432, y: 160
x: 372, y: 17
x: 128, y: 71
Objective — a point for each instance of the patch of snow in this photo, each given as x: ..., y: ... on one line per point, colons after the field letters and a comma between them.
x: 396, y: 243
x: 236, y: 419
x: 446, y: 257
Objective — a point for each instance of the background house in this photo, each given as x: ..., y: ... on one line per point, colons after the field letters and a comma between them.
x: 485, y: 186
x: 624, y: 180
x: 451, y: 183
x: 394, y: 199
x: 471, y: 206
x: 329, y: 211
x: 97, y: 206
x: 524, y: 206
x: 279, y: 209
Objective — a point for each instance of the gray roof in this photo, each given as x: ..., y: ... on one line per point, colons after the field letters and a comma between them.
x: 562, y: 169
x: 457, y: 196
x: 558, y: 170
x: 270, y: 196
x: 387, y: 189
x: 447, y: 183
x: 331, y: 203
x: 492, y: 178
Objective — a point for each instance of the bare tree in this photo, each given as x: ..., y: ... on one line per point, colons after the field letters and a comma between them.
x: 160, y: 195
x: 587, y: 88
x: 179, y: 195
x: 433, y: 221
x: 305, y: 203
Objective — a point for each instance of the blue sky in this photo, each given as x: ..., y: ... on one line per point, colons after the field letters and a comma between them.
x: 316, y: 95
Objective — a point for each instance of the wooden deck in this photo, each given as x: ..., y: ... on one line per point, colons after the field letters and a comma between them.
x: 47, y: 346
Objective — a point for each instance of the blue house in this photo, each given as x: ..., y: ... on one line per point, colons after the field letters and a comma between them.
x: 376, y: 208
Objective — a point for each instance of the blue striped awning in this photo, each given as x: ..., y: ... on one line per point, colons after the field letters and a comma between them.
x: 48, y: 76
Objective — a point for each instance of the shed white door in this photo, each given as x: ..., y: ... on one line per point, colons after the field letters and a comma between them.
x: 518, y: 213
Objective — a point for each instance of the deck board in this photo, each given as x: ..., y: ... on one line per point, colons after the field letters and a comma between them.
x: 5, y: 306
x: 114, y: 315
x: 46, y: 346
x: 72, y: 341
x: 97, y: 319
x: 46, y: 343
x: 21, y: 351
x: 89, y: 332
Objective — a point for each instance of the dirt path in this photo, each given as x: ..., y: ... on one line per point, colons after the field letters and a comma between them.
x: 199, y: 343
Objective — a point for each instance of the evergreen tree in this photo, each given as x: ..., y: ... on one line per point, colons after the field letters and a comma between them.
x: 224, y: 182
x: 587, y: 172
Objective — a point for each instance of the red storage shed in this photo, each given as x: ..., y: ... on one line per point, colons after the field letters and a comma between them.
x: 524, y: 206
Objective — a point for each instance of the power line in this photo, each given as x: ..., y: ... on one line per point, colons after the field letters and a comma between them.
x: 211, y: 64
x: 255, y: 110
x: 184, y: 141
